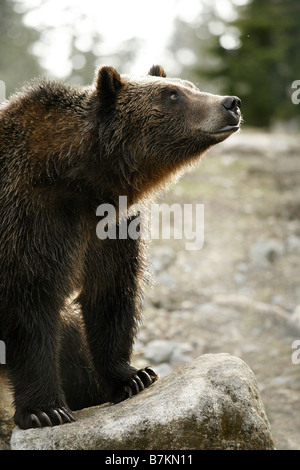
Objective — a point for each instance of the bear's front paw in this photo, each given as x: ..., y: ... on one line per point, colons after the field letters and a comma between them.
x: 39, y: 418
x: 138, y: 382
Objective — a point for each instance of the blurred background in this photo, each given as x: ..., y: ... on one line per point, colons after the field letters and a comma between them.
x: 240, y: 293
x: 242, y: 47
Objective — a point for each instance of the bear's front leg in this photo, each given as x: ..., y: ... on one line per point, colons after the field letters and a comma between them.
x: 110, y: 302
x: 32, y: 337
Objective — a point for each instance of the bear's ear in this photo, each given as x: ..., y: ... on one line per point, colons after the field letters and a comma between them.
x: 108, y: 83
x: 157, y: 71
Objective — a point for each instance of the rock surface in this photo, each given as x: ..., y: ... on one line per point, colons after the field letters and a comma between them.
x: 6, y: 411
x: 211, y: 403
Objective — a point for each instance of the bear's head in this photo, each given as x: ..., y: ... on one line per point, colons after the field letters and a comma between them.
x: 152, y: 127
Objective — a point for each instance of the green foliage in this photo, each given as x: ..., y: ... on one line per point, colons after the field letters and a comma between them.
x: 258, y: 63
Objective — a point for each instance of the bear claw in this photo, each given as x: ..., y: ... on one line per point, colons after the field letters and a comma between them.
x: 142, y: 379
x: 41, y: 419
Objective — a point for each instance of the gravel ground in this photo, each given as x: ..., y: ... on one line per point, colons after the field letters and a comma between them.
x: 240, y: 293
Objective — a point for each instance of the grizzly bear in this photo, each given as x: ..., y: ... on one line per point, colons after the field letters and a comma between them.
x: 63, y: 152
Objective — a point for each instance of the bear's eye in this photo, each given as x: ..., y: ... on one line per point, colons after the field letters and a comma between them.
x: 174, y: 95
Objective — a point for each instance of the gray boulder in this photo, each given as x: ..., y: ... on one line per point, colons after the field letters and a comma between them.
x: 211, y: 403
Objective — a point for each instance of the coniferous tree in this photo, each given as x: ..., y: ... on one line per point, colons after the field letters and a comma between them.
x: 256, y: 57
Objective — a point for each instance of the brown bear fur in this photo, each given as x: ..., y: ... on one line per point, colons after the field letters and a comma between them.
x: 63, y: 152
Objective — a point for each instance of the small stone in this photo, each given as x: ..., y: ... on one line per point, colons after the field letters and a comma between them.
x: 158, y: 351
x: 266, y: 252
x: 293, y: 243
x: 163, y: 369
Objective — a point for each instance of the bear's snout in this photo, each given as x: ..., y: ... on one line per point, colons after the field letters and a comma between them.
x: 228, y: 111
x: 219, y: 116
x: 232, y: 106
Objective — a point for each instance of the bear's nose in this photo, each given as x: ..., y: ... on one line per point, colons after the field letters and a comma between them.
x: 232, y: 104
